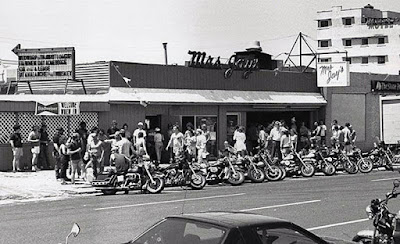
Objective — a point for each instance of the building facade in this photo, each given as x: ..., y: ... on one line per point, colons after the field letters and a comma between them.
x: 166, y: 95
x: 368, y: 35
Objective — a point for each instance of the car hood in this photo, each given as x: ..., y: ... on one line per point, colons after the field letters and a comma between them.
x: 336, y: 241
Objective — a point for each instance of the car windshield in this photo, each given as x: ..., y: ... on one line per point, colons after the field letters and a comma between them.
x: 181, y: 231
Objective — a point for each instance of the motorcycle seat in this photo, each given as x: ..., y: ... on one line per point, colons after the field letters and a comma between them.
x: 289, y: 157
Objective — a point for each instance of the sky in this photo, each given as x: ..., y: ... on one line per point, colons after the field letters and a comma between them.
x: 133, y: 31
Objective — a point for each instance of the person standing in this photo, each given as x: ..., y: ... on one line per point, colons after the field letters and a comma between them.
x: 137, y: 131
x: 83, y: 135
x: 240, y: 138
x: 347, y: 138
x: 96, y: 155
x: 353, y: 136
x: 190, y: 145
x: 56, y: 151
x: 158, y: 143
x: 140, y: 145
x: 304, y: 135
x: 201, y: 146
x: 128, y: 134
x: 275, y: 135
x: 34, y: 139
x: 293, y: 139
x: 285, y: 144
x: 64, y: 158
x: 124, y: 145
x: 16, y: 146
x: 262, y: 137
x: 74, y: 149
x: 322, y: 132
x: 44, y: 161
x: 113, y: 129
x: 335, y: 137
x: 176, y: 141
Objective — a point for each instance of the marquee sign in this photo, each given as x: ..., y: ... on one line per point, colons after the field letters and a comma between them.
x: 63, y: 108
x: 385, y: 86
x: 333, y: 74
x: 45, y: 63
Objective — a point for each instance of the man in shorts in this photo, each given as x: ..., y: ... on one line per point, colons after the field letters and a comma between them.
x: 16, y: 146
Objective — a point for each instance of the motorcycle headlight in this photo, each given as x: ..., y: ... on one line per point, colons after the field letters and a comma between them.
x: 329, y: 159
x: 372, y: 156
x: 368, y: 210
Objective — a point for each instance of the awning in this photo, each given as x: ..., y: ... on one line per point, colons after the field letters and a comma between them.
x: 230, y: 97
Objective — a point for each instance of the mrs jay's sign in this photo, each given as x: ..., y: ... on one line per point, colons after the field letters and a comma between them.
x: 247, y: 65
x: 333, y: 74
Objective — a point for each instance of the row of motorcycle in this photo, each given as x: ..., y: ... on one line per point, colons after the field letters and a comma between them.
x: 234, y: 169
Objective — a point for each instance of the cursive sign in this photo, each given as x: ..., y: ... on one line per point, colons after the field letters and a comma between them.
x: 333, y: 74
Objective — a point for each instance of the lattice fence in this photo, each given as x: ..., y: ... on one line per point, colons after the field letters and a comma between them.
x: 91, y: 120
x: 27, y: 120
x: 53, y: 122
x: 7, y: 121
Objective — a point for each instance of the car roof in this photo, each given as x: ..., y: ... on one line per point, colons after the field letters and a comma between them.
x: 232, y: 219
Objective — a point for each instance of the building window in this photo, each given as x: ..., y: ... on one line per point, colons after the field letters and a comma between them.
x: 364, y: 41
x: 347, y: 43
x: 347, y: 59
x: 324, y: 23
x: 324, y: 43
x: 381, y: 59
x: 364, y: 60
x: 381, y: 40
x: 348, y: 21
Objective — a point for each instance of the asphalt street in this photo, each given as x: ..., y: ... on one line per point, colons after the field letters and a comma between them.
x: 328, y: 206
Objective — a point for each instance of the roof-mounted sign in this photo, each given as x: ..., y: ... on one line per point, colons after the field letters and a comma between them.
x: 333, y: 74
x: 45, y: 63
x: 385, y: 86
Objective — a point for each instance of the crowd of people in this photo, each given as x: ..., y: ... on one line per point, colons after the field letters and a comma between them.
x: 281, y: 138
x: 85, y: 149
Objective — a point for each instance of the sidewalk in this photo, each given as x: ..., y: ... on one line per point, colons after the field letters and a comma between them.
x: 40, y: 185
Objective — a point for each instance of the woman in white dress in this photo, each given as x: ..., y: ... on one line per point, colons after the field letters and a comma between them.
x: 240, y: 138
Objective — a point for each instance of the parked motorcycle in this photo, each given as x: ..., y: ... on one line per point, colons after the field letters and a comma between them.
x: 183, y: 173
x: 319, y: 161
x: 295, y: 165
x: 364, y: 164
x: 342, y: 162
x: 252, y: 169
x: 141, y: 176
x: 272, y: 171
x: 224, y: 170
x: 386, y: 224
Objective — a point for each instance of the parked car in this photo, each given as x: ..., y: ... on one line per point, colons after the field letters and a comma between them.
x: 226, y: 228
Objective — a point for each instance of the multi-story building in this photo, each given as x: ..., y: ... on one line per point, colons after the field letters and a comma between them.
x: 368, y: 35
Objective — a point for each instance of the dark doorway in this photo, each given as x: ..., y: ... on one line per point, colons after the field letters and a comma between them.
x: 265, y: 118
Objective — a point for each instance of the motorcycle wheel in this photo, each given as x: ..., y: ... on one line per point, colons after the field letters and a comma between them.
x: 365, y: 166
x: 109, y: 191
x: 307, y: 170
x: 350, y: 167
x: 236, y: 179
x: 275, y: 173
x: 197, y: 181
x: 329, y: 169
x: 256, y: 175
x: 155, y: 187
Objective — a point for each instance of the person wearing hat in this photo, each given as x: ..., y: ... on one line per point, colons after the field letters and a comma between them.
x: 56, y: 150
x: 137, y: 131
x: 159, y: 143
x: 16, y: 146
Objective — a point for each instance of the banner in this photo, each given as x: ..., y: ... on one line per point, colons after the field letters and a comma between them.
x: 333, y: 74
x: 63, y: 108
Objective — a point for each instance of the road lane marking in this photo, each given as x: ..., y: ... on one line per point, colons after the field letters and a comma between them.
x: 395, y: 178
x: 337, y: 224
x: 171, y: 201
x: 280, y: 205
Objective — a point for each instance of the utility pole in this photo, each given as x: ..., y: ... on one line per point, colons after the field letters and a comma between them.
x: 165, y: 53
